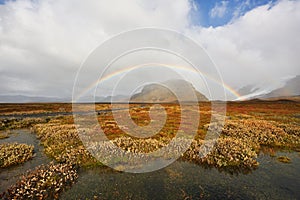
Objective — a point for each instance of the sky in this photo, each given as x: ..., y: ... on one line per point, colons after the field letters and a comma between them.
x: 217, y: 13
x: 44, y: 42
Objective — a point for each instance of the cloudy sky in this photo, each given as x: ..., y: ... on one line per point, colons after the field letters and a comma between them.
x: 44, y: 42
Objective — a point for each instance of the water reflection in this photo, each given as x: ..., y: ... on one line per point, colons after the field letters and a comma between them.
x: 184, y: 180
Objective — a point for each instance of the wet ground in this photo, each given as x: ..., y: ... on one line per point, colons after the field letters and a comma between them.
x: 180, y: 180
x: 183, y: 180
x: 10, y: 175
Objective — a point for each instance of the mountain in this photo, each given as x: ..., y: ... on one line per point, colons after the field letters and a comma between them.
x: 282, y: 88
x: 160, y: 93
x: 29, y: 99
x: 116, y: 98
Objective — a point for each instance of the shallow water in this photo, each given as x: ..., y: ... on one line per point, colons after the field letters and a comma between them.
x: 180, y: 180
x: 272, y: 180
x: 10, y: 175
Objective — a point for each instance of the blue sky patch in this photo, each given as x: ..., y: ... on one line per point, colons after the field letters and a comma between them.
x: 217, y: 13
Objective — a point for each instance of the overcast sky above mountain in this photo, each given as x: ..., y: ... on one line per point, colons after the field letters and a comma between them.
x: 43, y: 42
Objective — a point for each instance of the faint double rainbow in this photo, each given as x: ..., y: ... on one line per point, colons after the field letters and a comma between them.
x: 129, y: 68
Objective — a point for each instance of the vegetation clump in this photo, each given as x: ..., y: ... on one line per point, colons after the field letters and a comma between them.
x: 284, y: 159
x: 18, y: 123
x: 14, y: 153
x: 45, y: 182
x: 61, y: 142
x: 225, y: 152
x: 262, y: 132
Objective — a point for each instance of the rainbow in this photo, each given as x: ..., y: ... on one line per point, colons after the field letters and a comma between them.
x: 127, y: 69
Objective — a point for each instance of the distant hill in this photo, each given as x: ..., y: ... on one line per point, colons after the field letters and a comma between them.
x: 116, y: 98
x: 291, y: 88
x: 283, y: 88
x: 160, y: 93
x: 284, y: 98
x: 29, y: 99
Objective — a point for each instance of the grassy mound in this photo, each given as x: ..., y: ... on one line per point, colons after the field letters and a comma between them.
x: 45, y: 182
x: 14, y: 153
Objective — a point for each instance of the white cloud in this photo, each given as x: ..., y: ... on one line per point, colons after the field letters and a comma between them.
x: 219, y: 10
x: 42, y: 43
x: 262, y: 44
x: 194, y: 6
x: 46, y: 41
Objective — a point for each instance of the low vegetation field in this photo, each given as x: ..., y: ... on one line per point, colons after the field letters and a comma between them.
x: 250, y: 128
